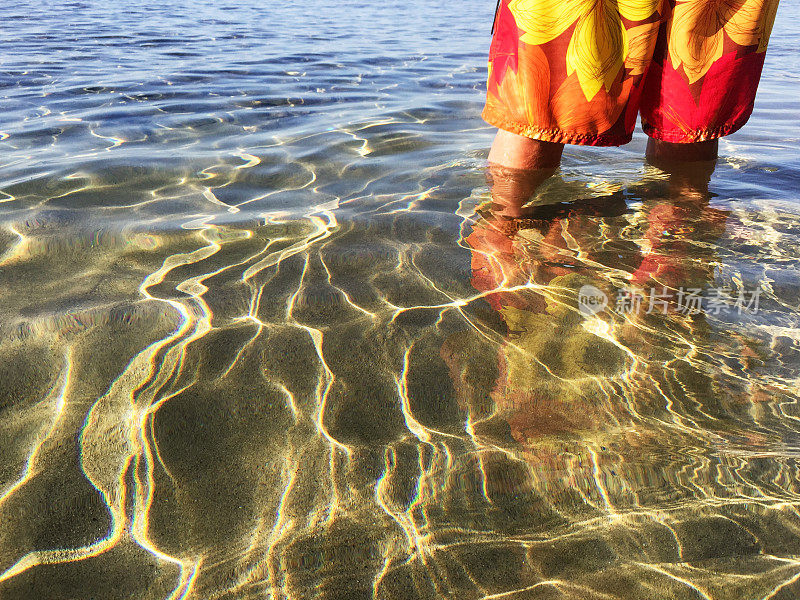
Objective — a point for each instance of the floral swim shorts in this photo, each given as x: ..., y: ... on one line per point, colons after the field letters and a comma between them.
x: 580, y: 71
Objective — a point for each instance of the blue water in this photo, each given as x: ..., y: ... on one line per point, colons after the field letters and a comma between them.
x: 261, y: 338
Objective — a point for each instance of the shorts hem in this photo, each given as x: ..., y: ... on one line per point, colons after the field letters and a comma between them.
x: 555, y: 135
x: 679, y: 136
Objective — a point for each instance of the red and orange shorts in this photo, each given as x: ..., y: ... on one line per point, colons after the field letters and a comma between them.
x: 580, y: 71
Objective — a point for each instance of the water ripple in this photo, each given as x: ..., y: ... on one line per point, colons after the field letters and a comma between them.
x: 262, y: 336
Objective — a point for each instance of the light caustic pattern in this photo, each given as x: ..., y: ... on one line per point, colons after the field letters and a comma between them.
x: 256, y: 342
x: 368, y: 398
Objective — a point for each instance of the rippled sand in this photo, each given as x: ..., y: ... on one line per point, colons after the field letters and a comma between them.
x: 261, y: 340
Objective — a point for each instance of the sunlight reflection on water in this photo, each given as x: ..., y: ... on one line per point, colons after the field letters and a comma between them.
x: 261, y: 337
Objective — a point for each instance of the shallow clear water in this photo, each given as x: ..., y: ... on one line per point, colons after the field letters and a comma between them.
x: 257, y: 341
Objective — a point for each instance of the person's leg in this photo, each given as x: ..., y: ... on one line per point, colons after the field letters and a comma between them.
x: 661, y: 152
x: 518, y: 152
x: 517, y: 166
x: 689, y: 166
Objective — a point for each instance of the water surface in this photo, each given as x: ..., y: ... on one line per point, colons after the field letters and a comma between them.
x: 261, y: 337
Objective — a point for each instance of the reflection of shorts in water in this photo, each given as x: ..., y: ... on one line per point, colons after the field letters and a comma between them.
x: 579, y: 71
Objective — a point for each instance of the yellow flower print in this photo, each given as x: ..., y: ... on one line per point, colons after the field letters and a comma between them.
x: 698, y: 27
x: 599, y: 44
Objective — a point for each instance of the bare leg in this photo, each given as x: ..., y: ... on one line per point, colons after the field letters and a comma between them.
x: 517, y: 166
x: 689, y: 166
x: 518, y: 152
x: 659, y: 151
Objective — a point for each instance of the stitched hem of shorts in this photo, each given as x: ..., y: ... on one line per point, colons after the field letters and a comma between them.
x: 678, y: 136
x: 553, y: 135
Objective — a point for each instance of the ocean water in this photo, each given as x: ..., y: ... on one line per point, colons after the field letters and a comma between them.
x: 260, y: 336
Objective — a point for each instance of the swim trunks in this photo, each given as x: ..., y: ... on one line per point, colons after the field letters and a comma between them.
x: 580, y: 71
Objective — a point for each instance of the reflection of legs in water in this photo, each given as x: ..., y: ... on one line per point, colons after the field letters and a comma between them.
x: 680, y: 223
